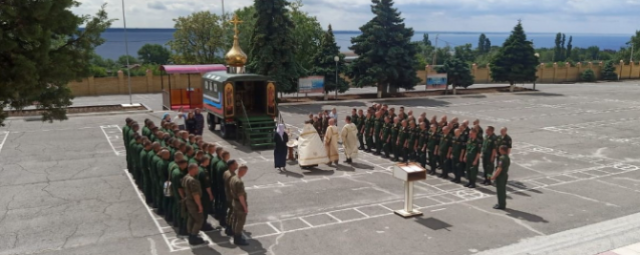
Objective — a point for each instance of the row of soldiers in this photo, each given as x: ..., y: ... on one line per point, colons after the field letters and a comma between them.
x: 450, y: 146
x: 186, y: 179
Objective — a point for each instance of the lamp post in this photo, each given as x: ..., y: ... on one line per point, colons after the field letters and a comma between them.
x: 337, y: 59
x: 126, y: 48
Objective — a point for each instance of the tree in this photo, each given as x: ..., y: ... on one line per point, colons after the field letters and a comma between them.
x: 487, y: 45
x: 308, y: 34
x: 557, y: 53
x: 425, y: 40
x: 481, y: 44
x: 154, y: 54
x: 325, y: 64
x: 198, y: 39
x: 42, y: 50
x: 569, y: 48
x: 273, y: 49
x: 458, y: 73
x: 386, y: 56
x: 609, y: 72
x: 464, y: 53
x: 248, y: 16
x: 516, y: 60
x: 588, y: 76
x: 122, y: 60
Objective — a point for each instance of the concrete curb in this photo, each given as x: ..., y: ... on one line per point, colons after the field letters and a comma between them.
x: 38, y: 117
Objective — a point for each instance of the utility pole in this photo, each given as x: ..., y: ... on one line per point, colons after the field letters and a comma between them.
x: 435, y: 52
x: 126, y: 48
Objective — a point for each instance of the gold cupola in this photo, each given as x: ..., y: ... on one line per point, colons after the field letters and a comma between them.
x: 235, y: 58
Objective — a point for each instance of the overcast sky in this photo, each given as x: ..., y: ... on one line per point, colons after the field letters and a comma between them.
x: 568, y: 16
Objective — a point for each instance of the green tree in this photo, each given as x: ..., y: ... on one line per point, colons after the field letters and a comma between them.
x: 425, y: 40
x: 325, y: 64
x: 458, y: 73
x: 481, y: 49
x: 307, y: 34
x: 154, y: 54
x: 515, y: 62
x: 273, y: 46
x: 386, y: 56
x: 247, y: 15
x: 122, y: 60
x: 42, y: 50
x: 487, y: 45
x: 198, y: 39
x: 464, y: 52
x: 569, y: 48
x: 609, y: 72
x: 557, y: 53
x: 588, y: 76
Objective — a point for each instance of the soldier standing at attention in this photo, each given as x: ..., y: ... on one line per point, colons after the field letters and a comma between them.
x: 179, y: 217
x: 377, y: 132
x: 395, y: 130
x: 207, y: 197
x: 360, y: 125
x: 489, y: 154
x: 401, y: 142
x: 152, y: 161
x: 134, y: 150
x: 443, y: 152
x: 193, y: 205
x: 240, y: 206
x: 410, y: 143
x: 432, y: 144
x: 144, y: 164
x: 392, y: 114
x: 501, y: 177
x: 221, y: 207
x: 226, y: 177
x: 464, y: 137
x: 504, y: 139
x: 125, y: 137
x: 162, y: 176
x: 354, y: 116
x: 480, y: 133
x: 386, y: 135
x: 421, y: 149
x: 472, y: 156
x: 456, y: 155
x: 368, y: 131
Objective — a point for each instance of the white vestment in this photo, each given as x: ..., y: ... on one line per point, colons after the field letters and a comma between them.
x: 349, y: 135
x: 310, y: 148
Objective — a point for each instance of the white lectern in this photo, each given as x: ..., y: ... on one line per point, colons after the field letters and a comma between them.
x: 409, y: 173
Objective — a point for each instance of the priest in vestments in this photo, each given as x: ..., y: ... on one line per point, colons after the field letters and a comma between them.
x: 349, y: 135
x: 311, y: 150
x: 331, y: 142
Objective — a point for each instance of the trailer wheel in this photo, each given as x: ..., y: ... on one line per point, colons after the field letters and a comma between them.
x: 226, y: 131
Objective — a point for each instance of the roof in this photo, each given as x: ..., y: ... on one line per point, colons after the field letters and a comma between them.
x: 224, y: 76
x: 171, y: 69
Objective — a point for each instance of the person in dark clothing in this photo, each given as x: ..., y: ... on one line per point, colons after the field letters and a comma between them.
x: 191, y: 123
x: 199, y: 121
x: 280, y: 153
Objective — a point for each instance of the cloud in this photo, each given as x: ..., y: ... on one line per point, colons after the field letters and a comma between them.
x: 589, y: 16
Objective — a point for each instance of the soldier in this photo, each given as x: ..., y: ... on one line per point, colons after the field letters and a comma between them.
x: 317, y: 124
x: 240, y: 206
x: 205, y: 183
x: 133, y: 153
x: 456, y: 155
x: 432, y: 144
x: 214, y: 180
x: 221, y: 198
x: 133, y: 131
x: 162, y: 173
x: 386, y: 137
x: 401, y: 114
x: 488, y: 155
x: 354, y: 116
x: 377, y: 132
x: 410, y: 143
x: 395, y: 130
x: 226, y: 177
x: 502, y: 176
x: 325, y: 122
x: 152, y: 159
x: 360, y: 125
x: 505, y: 140
x: 392, y: 114
x: 193, y: 204
x: 464, y: 137
x: 145, y: 130
x: 472, y: 156
x: 402, y: 142
x: 190, y: 154
x: 480, y: 133
x: 177, y: 174
x: 443, y: 149
x: 144, y: 169
x: 421, y: 148
x: 311, y: 119
x: 368, y: 131
x: 125, y: 137
x: 197, y: 158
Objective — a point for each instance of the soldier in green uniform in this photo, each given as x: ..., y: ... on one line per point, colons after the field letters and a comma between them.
x: 368, y: 132
x: 443, y: 150
x: 138, y: 148
x: 193, y: 204
x: 432, y: 144
x: 162, y: 173
x: 386, y: 137
x: 125, y: 138
x: 354, y: 116
x: 501, y: 177
x: 504, y: 139
x: 221, y: 198
x: 392, y: 114
x: 489, y: 154
x: 421, y: 149
x: 377, y: 132
x: 214, y: 180
x: 464, y: 137
x: 144, y: 164
x: 207, y: 197
x: 456, y: 154
x: 177, y: 174
x: 395, y: 130
x: 239, y: 204
x: 226, y: 177
x: 133, y: 131
x: 472, y: 156
x: 145, y: 130
x: 480, y: 133
x: 402, y: 142
x: 410, y: 143
x: 152, y: 161
x: 360, y: 125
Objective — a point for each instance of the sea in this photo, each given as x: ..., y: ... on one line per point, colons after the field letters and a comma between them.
x: 114, y: 46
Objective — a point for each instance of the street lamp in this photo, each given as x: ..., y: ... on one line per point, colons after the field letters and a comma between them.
x: 126, y: 48
x: 337, y: 59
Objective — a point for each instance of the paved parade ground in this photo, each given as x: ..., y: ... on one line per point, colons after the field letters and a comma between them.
x: 574, y: 182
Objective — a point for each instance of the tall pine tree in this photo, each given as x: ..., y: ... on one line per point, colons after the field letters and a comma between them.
x: 325, y: 64
x: 516, y: 60
x: 273, y: 48
x: 386, y: 56
x: 481, y: 44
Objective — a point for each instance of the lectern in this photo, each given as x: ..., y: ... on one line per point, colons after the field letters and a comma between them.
x: 409, y: 173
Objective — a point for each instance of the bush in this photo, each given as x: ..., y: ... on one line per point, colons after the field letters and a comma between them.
x: 97, y: 71
x: 588, y: 76
x: 609, y: 72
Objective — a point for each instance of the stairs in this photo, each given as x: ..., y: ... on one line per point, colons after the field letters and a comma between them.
x: 257, y: 130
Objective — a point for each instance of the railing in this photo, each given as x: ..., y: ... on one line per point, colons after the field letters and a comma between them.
x: 244, y: 130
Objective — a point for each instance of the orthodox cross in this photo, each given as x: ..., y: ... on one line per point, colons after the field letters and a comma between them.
x: 235, y: 21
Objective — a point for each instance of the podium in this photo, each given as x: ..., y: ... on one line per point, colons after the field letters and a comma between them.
x: 409, y: 173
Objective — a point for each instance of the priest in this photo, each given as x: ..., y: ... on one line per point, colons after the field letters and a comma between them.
x: 349, y: 135
x: 331, y: 142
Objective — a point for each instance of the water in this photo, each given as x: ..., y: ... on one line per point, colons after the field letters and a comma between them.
x: 115, y: 47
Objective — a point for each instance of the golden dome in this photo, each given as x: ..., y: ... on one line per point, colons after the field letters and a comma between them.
x: 236, y: 57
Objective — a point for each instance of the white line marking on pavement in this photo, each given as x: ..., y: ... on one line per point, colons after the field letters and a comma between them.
x: 334, y: 217
x: 582, y: 197
x: 438, y: 209
x: 6, y: 134
x: 153, y: 249
x: 109, y: 138
x: 518, y: 221
x: 305, y: 222
x: 155, y: 221
x: 273, y: 227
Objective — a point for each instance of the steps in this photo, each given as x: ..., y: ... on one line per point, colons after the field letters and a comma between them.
x: 257, y: 130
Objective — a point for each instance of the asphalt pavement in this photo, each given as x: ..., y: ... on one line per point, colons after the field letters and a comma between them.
x: 64, y: 188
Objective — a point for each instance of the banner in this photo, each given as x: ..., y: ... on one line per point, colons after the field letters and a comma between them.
x: 436, y: 81
x: 311, y: 84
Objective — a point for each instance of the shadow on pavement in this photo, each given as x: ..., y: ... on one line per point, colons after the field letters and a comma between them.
x: 524, y: 216
x: 362, y: 166
x: 345, y: 168
x: 316, y: 171
x: 288, y: 173
x: 541, y: 94
x: 254, y: 247
x: 433, y: 223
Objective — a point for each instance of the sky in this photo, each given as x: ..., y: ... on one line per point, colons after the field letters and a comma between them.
x: 552, y: 16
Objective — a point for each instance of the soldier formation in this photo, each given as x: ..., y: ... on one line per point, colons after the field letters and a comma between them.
x: 186, y: 179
